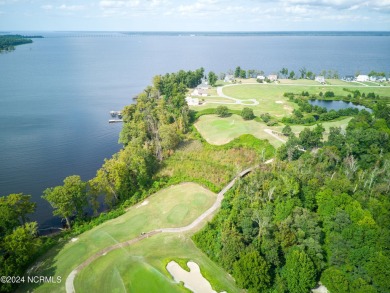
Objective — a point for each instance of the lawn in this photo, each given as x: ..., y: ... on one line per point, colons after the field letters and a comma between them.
x: 337, y: 82
x: 220, y: 131
x: 271, y: 99
x: 175, y: 206
x: 298, y: 82
x: 141, y: 267
x: 343, y: 123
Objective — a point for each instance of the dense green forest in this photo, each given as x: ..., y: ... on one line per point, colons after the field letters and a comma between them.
x: 8, y: 42
x: 315, y: 215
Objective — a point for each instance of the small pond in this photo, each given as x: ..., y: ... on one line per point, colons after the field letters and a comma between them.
x: 337, y: 105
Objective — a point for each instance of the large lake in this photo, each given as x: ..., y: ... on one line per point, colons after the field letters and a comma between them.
x: 56, y: 93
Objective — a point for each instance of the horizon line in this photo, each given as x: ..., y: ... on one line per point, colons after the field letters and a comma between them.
x: 202, y: 31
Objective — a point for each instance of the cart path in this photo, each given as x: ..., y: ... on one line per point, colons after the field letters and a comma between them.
x: 69, y: 284
x: 249, y: 102
x: 270, y: 132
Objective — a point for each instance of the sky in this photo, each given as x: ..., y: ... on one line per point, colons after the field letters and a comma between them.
x: 195, y: 15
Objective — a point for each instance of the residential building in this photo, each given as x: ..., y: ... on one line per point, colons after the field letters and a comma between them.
x: 192, y: 101
x: 272, y: 77
x: 260, y: 77
x: 320, y: 79
x: 362, y: 77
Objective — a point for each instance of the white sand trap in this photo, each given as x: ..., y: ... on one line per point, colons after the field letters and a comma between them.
x: 320, y: 289
x: 74, y: 239
x: 279, y: 102
x: 144, y: 203
x: 193, y: 280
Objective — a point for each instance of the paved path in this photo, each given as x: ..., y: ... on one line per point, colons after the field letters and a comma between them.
x: 270, y: 132
x: 249, y: 102
x: 69, y: 284
x: 254, y: 102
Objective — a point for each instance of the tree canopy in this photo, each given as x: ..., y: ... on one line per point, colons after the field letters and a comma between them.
x: 68, y: 199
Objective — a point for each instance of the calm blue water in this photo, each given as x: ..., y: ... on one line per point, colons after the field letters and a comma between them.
x: 55, y: 94
x: 337, y: 105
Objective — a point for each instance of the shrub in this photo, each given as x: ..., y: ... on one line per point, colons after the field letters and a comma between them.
x: 247, y: 114
x: 329, y: 94
x: 222, y: 111
x: 265, y: 117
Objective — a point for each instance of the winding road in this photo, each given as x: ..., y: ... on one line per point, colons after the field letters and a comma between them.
x: 69, y: 284
x: 249, y: 102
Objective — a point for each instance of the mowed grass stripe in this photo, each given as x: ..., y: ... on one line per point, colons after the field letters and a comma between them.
x: 219, y: 131
x: 158, y: 213
x: 142, y: 267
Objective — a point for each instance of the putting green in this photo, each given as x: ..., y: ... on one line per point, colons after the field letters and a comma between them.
x: 142, y: 267
x: 175, y: 206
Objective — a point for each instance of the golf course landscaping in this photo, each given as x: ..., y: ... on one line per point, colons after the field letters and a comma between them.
x: 219, y: 131
x: 174, y: 206
x: 130, y: 253
x: 271, y: 99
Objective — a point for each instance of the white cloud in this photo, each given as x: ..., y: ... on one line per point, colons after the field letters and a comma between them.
x: 71, y: 7
x: 47, y: 7
x: 297, y: 9
x: 118, y: 4
x: 341, y: 4
x: 155, y: 3
x: 191, y: 8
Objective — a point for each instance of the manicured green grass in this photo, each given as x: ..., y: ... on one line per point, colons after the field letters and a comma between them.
x: 271, y: 99
x: 369, y: 83
x: 217, y: 99
x: 142, y: 267
x: 343, y: 123
x: 219, y: 131
x: 172, y: 207
x: 298, y: 81
x: 337, y: 82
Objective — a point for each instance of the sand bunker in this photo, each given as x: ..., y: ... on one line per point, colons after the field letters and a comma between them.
x: 193, y: 280
x: 320, y: 289
x: 279, y: 102
x: 144, y: 203
x: 74, y: 239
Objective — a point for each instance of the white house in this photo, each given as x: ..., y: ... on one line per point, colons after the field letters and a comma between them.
x: 204, y: 85
x: 199, y: 92
x: 260, y: 77
x: 272, y: 77
x: 192, y: 101
x: 228, y: 78
x: 362, y: 78
x: 381, y: 79
x: 349, y: 78
x: 320, y: 79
